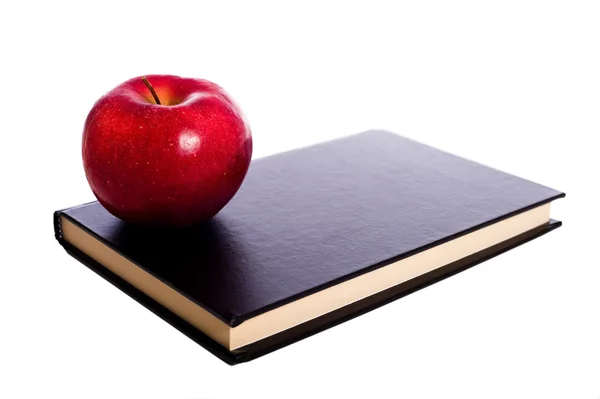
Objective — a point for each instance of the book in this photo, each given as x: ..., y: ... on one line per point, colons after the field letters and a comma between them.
x: 314, y: 237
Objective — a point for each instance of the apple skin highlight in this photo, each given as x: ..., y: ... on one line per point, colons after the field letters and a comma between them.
x: 175, y: 164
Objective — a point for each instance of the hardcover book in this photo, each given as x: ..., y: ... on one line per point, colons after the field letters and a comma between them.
x: 314, y: 237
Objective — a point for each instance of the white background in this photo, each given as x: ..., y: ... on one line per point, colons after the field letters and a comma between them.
x: 512, y: 84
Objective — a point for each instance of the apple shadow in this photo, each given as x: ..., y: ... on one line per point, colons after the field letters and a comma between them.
x: 206, y: 242
x: 208, y: 260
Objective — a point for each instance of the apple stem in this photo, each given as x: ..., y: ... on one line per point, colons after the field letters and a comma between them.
x: 149, y: 86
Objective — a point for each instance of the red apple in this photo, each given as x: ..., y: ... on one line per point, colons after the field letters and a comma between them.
x: 166, y: 150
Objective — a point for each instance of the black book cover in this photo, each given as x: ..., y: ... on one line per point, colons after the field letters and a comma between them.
x: 311, y: 218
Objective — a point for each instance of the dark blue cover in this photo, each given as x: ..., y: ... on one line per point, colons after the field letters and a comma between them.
x: 310, y: 218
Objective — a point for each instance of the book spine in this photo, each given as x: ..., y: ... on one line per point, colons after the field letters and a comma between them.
x: 57, y: 227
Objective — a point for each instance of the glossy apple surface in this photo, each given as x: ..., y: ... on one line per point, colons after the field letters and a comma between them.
x: 174, y: 164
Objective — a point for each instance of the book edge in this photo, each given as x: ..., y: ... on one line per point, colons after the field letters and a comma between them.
x: 58, y: 235
x: 266, y: 346
x: 241, y: 318
x: 234, y: 320
x: 270, y: 344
